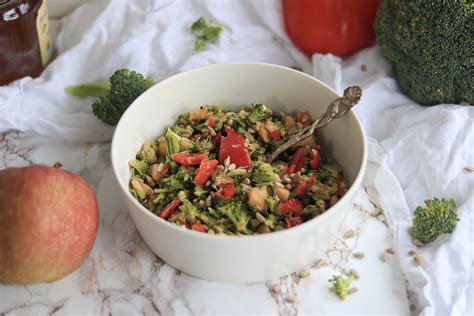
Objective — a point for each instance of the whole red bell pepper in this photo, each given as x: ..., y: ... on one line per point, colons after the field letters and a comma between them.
x: 339, y: 27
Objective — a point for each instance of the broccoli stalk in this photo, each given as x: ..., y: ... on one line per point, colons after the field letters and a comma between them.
x: 264, y: 174
x: 115, y: 96
x: 438, y: 217
x: 340, y: 285
x: 172, y: 139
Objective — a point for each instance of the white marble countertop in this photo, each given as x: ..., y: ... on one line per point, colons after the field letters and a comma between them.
x: 123, y: 276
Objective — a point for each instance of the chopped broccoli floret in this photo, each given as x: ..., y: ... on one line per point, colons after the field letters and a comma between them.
x: 116, y: 96
x: 199, y: 192
x: 148, y: 153
x: 237, y: 212
x: 438, y: 217
x: 185, y: 132
x: 271, y: 203
x: 259, y: 113
x: 172, y: 139
x: 264, y: 174
x: 139, y: 167
x: 340, y: 285
x: 205, y: 33
x: 90, y: 89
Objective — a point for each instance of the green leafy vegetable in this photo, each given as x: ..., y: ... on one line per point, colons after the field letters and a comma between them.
x: 438, y: 217
x: 172, y: 139
x: 205, y: 33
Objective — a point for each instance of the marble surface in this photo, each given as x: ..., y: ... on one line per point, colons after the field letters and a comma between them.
x: 123, y: 276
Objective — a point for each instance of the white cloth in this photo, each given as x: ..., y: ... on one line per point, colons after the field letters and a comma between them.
x: 421, y: 151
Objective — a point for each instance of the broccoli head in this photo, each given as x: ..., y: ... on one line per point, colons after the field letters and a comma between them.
x: 115, y: 96
x: 147, y: 152
x: 340, y: 285
x: 429, y: 44
x: 205, y: 33
x: 438, y: 217
x: 259, y: 113
x: 237, y: 212
x: 264, y: 174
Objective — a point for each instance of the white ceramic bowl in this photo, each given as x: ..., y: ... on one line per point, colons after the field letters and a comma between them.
x: 247, y: 258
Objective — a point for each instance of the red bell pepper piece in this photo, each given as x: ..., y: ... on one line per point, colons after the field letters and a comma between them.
x: 212, y: 121
x: 294, y: 206
x: 293, y: 221
x: 276, y: 135
x: 188, y: 159
x: 233, y: 146
x: 199, y: 228
x: 182, y: 223
x: 315, y: 158
x: 303, y: 186
x: 227, y: 191
x: 205, y: 171
x: 169, y: 208
x: 218, y: 137
x: 298, y: 161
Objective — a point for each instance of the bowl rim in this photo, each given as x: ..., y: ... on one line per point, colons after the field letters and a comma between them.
x: 282, y: 233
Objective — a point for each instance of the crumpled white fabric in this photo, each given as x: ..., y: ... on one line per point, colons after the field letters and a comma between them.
x: 421, y: 151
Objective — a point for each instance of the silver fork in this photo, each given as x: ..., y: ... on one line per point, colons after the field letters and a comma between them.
x: 335, y: 110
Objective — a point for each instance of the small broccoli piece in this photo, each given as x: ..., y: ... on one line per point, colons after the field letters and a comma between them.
x: 264, y: 174
x: 237, y: 212
x: 271, y: 203
x: 259, y: 113
x: 205, y: 33
x: 199, y: 192
x: 139, y: 167
x: 184, y: 132
x: 172, y: 139
x: 114, y: 97
x: 203, y: 145
x: 90, y: 89
x: 147, y: 152
x: 340, y: 285
x: 438, y: 217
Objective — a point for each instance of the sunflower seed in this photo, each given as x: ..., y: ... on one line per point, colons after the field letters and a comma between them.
x: 418, y: 259
x: 304, y: 273
x: 208, y: 183
x: 287, y: 179
x: 232, y: 166
x: 288, y: 186
x: 278, y: 184
x: 383, y: 256
x: 358, y: 255
x: 227, y: 162
x: 417, y: 242
x: 352, y: 290
x: 202, y: 203
x: 291, y: 298
x: 376, y: 212
x: 260, y: 217
x: 390, y: 250
x: 469, y: 168
x: 230, y: 122
x: 303, y: 170
x: 320, y: 263
x: 349, y: 234
x: 251, y: 130
x: 276, y: 288
x: 411, y: 252
x: 208, y: 201
x: 211, y: 131
x: 354, y: 273
x: 246, y: 181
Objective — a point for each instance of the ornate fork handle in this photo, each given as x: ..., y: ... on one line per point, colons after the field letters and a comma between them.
x: 335, y: 110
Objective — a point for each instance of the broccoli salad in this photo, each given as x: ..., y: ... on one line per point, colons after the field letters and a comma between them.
x: 208, y: 172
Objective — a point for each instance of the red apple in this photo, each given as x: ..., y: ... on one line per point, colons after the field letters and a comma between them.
x: 48, y: 223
